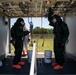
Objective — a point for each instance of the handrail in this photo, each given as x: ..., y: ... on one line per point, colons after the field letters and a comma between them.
x: 33, y: 67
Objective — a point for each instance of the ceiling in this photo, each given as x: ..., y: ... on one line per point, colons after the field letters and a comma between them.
x: 35, y: 8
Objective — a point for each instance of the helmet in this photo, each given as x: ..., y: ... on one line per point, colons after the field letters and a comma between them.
x: 19, y: 20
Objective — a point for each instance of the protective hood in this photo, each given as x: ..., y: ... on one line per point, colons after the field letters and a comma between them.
x: 18, y: 22
x: 59, y: 20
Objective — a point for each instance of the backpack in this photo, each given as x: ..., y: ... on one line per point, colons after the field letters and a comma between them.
x: 12, y: 35
x: 13, y: 32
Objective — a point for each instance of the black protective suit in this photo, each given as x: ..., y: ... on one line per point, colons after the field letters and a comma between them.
x: 61, y: 33
x: 18, y: 37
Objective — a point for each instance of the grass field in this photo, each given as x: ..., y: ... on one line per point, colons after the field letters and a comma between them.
x: 42, y: 44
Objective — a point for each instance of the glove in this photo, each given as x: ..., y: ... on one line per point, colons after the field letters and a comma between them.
x: 12, y: 41
x: 28, y: 40
x: 26, y: 33
x: 61, y: 45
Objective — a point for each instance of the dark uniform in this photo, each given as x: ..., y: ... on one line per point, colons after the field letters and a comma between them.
x: 61, y: 33
x: 18, y: 45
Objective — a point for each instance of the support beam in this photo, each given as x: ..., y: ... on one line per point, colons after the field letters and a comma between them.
x: 62, y: 0
x: 41, y: 7
x: 16, y: 1
x: 73, y: 0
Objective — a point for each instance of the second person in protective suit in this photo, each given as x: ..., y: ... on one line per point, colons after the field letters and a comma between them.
x: 18, y: 45
x: 61, y: 34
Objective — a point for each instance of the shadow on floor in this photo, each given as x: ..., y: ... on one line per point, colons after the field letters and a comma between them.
x: 47, y: 69
x: 42, y: 68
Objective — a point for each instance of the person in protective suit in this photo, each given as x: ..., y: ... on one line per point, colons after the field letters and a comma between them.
x: 25, y: 42
x: 18, y: 45
x: 61, y: 34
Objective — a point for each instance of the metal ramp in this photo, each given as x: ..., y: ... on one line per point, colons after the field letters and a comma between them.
x: 36, y: 67
x: 42, y: 68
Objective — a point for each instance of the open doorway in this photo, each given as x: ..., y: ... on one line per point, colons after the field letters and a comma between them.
x: 42, y: 33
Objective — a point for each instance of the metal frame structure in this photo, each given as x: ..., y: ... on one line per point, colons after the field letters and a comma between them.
x: 37, y: 8
x: 33, y: 67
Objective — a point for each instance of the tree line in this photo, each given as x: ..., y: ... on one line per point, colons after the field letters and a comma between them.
x: 38, y: 30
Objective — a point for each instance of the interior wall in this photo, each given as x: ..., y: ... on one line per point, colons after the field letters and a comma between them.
x: 71, y: 22
x: 4, y: 37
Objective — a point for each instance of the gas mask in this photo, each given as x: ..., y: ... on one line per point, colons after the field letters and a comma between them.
x: 22, y: 23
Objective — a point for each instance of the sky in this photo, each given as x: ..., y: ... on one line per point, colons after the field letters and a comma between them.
x: 37, y: 21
